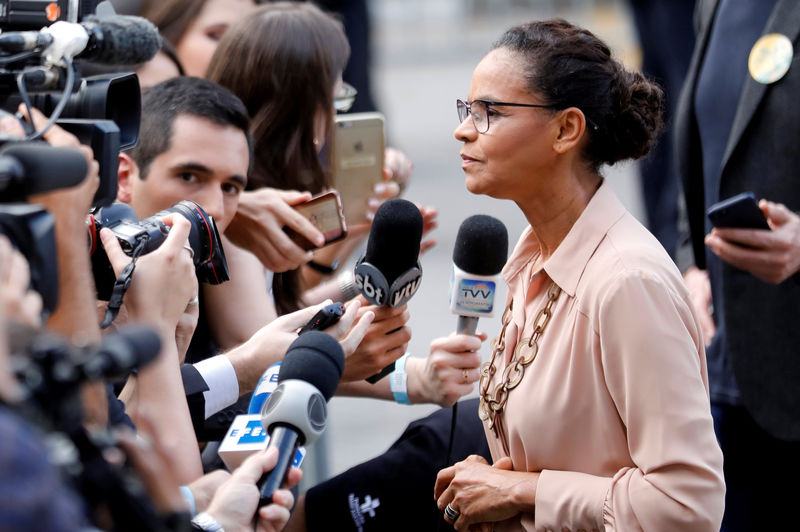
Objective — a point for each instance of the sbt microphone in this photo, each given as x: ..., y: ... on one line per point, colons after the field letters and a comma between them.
x: 479, y: 254
x: 390, y: 273
x: 296, y: 413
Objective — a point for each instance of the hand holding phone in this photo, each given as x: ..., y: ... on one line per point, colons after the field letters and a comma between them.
x: 324, y: 318
x: 325, y: 212
x: 740, y: 211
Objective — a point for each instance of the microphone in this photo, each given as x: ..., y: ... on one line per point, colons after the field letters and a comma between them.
x: 296, y: 412
x: 34, y: 167
x: 266, y: 385
x: 117, y: 40
x: 390, y: 273
x: 479, y: 254
x: 134, y: 346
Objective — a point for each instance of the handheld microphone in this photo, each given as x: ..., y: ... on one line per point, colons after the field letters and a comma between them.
x: 117, y: 40
x: 479, y: 254
x: 28, y: 168
x: 390, y: 273
x: 296, y: 412
x: 266, y: 385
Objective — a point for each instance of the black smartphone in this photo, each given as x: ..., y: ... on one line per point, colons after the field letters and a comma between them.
x: 740, y: 211
x: 325, y: 212
x: 324, y: 318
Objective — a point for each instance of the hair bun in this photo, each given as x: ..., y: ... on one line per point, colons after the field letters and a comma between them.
x: 639, y: 117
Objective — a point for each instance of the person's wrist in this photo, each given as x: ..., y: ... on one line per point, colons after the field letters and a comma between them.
x: 523, y: 494
x: 398, y: 381
x: 206, y: 522
x: 242, y: 359
x: 324, y: 269
x: 415, y: 387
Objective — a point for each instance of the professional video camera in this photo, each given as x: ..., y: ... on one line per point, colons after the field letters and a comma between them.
x: 26, y: 169
x: 138, y: 237
x: 38, y: 43
x: 51, y: 372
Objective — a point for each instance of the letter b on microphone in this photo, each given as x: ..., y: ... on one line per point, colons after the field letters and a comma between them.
x: 373, y: 285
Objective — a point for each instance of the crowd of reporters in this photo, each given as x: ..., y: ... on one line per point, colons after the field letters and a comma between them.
x: 152, y: 336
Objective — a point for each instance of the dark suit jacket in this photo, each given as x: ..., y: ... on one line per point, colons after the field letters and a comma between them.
x: 762, y: 156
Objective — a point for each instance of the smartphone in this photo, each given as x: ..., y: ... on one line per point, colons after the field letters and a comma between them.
x: 325, y: 212
x: 358, y: 150
x: 740, y: 211
x: 324, y: 318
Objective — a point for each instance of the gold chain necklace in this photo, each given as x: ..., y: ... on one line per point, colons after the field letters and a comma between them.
x: 492, y: 405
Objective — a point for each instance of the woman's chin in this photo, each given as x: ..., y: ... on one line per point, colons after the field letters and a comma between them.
x: 474, y: 185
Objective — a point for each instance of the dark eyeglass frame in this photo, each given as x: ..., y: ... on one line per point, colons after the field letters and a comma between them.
x: 465, y: 108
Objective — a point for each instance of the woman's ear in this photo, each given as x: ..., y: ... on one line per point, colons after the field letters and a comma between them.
x: 572, y: 125
x: 127, y: 173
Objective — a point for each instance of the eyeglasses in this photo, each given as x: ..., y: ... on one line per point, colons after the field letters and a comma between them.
x: 479, y: 111
x: 344, y: 98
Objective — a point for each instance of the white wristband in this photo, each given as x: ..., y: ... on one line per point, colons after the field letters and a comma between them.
x: 398, y: 381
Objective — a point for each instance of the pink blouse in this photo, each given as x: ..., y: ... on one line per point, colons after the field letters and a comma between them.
x: 614, y: 410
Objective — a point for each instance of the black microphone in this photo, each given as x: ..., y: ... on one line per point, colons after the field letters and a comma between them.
x: 479, y: 255
x: 120, y: 40
x: 390, y: 273
x: 132, y: 347
x: 117, y: 40
x: 34, y: 167
x: 296, y: 413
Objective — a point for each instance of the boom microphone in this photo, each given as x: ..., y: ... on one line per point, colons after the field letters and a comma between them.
x: 296, y: 412
x: 117, y: 40
x: 390, y: 273
x: 28, y: 168
x: 479, y: 254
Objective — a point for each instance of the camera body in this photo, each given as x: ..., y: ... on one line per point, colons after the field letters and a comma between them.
x: 209, y: 258
x: 20, y: 15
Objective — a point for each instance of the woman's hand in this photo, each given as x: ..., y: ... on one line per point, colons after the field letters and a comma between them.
x: 483, y: 494
x: 449, y: 371
x: 258, y: 227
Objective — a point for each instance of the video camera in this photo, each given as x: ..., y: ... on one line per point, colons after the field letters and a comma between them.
x: 38, y: 41
x: 50, y: 372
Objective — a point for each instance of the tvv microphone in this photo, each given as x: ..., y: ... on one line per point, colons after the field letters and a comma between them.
x: 390, y: 273
x: 296, y: 413
x: 479, y: 254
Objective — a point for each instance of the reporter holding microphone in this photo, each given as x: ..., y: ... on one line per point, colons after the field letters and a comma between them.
x: 595, y: 398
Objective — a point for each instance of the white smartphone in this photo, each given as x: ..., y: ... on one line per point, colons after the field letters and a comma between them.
x: 358, y: 150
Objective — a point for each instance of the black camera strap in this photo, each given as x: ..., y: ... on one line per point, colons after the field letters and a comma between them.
x: 121, y: 285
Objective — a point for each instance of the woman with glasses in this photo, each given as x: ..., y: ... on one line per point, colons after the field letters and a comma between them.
x: 595, y: 397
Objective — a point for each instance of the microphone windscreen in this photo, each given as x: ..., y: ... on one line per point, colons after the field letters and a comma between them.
x: 481, y: 245
x: 317, y: 358
x: 127, y: 40
x: 134, y: 346
x: 394, y: 238
x: 45, y: 167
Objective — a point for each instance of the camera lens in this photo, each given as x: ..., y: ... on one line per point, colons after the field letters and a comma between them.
x: 209, y: 257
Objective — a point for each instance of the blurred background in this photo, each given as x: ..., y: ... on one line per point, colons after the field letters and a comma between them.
x: 423, y: 54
